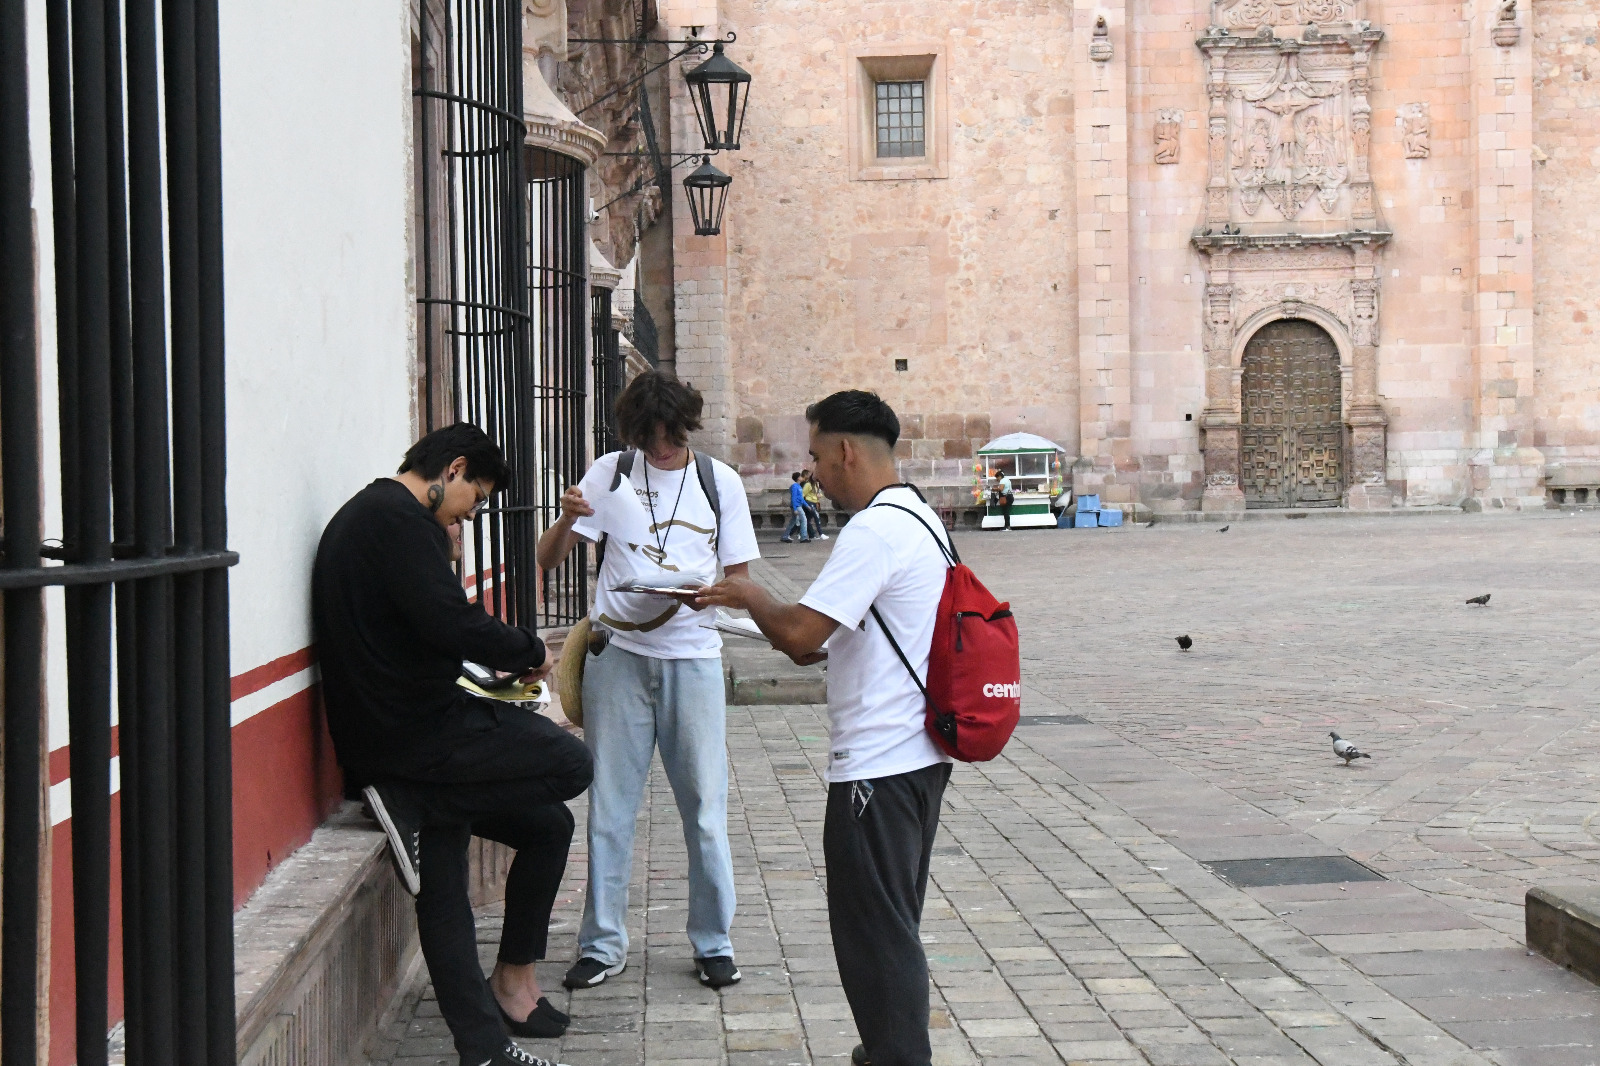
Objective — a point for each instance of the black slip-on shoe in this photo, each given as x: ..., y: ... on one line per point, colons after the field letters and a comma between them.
x: 403, y: 830
x: 551, y: 1011
x: 718, y: 971
x: 588, y: 972
x: 512, y: 1055
x: 539, y: 1024
x: 858, y: 1056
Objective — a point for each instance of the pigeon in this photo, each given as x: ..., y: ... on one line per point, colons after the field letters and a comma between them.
x: 1185, y: 643
x: 1224, y: 529
x: 1481, y: 601
x: 1346, y: 750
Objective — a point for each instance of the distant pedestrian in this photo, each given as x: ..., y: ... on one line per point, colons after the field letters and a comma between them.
x: 813, y: 496
x: 797, y: 512
x: 886, y: 778
x: 1007, y: 498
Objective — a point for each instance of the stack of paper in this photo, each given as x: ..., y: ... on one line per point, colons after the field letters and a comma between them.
x: 724, y: 622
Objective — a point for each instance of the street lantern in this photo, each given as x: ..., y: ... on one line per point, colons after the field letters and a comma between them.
x: 707, y: 188
x: 707, y: 84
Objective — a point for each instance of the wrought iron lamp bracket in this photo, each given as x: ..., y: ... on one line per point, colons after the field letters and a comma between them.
x: 679, y: 158
x: 696, y: 45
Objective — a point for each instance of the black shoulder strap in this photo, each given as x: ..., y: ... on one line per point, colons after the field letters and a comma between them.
x: 708, y: 485
x: 624, y: 467
x: 948, y: 550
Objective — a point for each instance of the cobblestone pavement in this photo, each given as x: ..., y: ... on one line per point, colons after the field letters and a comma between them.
x: 1072, y: 916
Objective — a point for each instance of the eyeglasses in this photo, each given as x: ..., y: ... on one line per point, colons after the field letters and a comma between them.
x: 482, y: 502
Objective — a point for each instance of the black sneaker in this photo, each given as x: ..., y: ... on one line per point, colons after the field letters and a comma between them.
x: 858, y: 1056
x: 512, y: 1055
x: 404, y: 832
x: 717, y: 971
x: 588, y: 972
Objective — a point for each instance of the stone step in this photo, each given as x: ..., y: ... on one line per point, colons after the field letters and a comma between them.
x: 759, y: 676
x: 1563, y: 925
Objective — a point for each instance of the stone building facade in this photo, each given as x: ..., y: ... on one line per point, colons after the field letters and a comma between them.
x: 1227, y: 253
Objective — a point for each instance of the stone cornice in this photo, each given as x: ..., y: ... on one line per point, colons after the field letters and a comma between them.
x: 1213, y: 243
x: 553, y: 126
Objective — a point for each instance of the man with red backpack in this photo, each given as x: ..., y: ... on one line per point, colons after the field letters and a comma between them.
x: 876, y: 605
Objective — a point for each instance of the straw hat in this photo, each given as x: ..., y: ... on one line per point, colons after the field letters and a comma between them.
x: 569, y: 672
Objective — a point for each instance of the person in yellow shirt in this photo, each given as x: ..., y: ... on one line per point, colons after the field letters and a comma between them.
x: 812, y: 495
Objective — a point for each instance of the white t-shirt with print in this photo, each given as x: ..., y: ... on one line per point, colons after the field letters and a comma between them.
x: 688, y: 550
x: 883, y: 557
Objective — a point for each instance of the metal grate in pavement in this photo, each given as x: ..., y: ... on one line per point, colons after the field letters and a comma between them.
x: 1052, y: 719
x: 1301, y: 870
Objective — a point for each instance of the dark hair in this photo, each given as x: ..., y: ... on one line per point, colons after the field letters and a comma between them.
x: 795, y: 476
x: 653, y: 399
x: 858, y: 412
x: 485, y: 462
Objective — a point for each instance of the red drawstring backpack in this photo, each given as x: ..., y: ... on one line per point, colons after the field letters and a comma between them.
x: 974, y: 689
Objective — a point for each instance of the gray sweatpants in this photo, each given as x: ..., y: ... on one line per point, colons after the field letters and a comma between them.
x: 877, y: 836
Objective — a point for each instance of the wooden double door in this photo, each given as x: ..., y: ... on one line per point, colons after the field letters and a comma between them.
x: 1292, y: 436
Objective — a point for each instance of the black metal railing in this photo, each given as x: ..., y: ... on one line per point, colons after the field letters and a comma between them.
x: 608, y: 371
x: 644, y: 331
x: 473, y: 301
x: 558, y: 256
x: 136, y: 235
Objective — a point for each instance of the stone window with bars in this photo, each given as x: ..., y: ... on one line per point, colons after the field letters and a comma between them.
x: 901, y: 119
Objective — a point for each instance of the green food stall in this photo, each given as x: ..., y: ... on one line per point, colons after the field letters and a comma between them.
x: 1034, y: 466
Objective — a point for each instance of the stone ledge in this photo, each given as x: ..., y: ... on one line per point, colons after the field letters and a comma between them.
x: 321, y: 948
x: 325, y: 944
x: 1563, y: 925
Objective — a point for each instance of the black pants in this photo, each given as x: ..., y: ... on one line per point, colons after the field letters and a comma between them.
x: 505, y: 773
x: 1005, y: 508
x: 877, y: 877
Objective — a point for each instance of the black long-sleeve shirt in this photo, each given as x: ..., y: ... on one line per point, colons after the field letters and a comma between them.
x: 392, y: 626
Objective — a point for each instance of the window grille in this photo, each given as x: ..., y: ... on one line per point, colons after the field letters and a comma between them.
x: 134, y: 141
x: 608, y: 372
x: 554, y: 448
x: 901, y: 119
x: 501, y: 299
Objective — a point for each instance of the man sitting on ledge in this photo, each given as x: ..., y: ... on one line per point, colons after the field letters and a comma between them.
x: 436, y: 764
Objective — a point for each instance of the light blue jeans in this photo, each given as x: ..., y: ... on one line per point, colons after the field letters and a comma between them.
x: 633, y: 704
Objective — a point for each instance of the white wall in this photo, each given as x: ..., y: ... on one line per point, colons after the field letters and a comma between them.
x: 316, y: 105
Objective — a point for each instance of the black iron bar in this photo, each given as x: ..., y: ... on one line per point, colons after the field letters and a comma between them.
x: 19, y: 429
x: 218, y: 741
x: 188, y: 620
x: 148, y: 719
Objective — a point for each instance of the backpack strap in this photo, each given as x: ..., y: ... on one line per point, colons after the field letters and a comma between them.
x: 624, y: 468
x: 708, y: 485
x: 945, y: 723
x: 948, y: 550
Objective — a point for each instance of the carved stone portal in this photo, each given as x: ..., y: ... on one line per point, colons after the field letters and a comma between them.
x: 1291, y: 228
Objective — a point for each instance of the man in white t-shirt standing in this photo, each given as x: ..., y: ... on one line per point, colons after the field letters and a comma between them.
x: 886, y: 777
x: 657, y: 682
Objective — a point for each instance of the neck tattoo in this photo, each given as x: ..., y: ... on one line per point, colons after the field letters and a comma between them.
x: 435, y: 496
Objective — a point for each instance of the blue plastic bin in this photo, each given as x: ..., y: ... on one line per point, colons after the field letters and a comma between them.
x: 1085, y: 519
x: 1110, y: 516
x: 1088, y: 503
